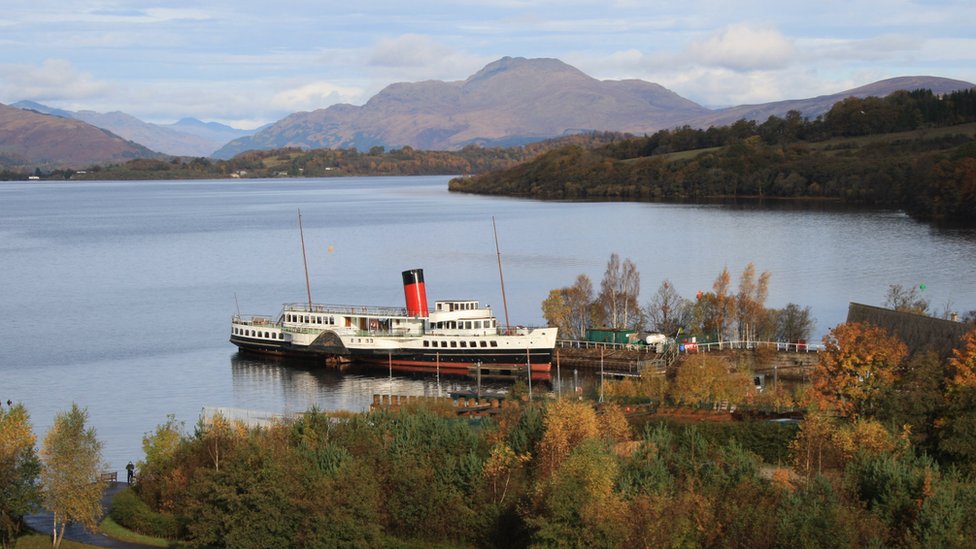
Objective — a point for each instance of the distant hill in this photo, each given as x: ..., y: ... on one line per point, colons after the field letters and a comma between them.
x: 29, y: 138
x: 188, y: 137
x: 509, y: 102
x: 514, y: 101
x: 813, y: 107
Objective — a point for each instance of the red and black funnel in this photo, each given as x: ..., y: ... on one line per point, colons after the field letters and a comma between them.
x: 415, y: 292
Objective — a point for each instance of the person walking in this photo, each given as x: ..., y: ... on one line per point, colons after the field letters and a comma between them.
x: 130, y: 471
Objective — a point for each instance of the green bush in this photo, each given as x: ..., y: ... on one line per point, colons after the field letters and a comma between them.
x: 133, y: 513
x: 767, y: 439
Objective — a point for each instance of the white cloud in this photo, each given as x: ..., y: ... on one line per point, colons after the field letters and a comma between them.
x: 744, y: 48
x: 414, y: 57
x: 54, y: 79
x: 314, y: 95
x: 407, y: 50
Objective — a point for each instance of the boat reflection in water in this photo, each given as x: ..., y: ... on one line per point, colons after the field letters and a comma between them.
x: 288, y: 386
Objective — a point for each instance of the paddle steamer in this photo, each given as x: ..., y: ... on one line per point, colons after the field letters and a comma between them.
x: 456, y: 337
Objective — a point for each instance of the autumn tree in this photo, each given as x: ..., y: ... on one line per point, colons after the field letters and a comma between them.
x: 618, y: 292
x: 750, y: 303
x: 962, y: 363
x: 569, y: 309
x: 160, y: 478
x: 857, y: 367
x: 19, y: 468
x: 579, y: 298
x: 710, y: 378
x: 72, y: 457
x: 714, y: 312
x: 555, y: 310
x: 667, y: 311
x: 577, y: 505
x: 567, y: 424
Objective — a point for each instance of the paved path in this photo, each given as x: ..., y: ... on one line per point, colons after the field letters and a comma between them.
x: 42, y: 522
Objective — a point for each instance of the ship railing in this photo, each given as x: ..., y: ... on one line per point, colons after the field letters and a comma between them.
x: 395, y: 332
x: 255, y: 320
x: 361, y: 310
x: 518, y: 330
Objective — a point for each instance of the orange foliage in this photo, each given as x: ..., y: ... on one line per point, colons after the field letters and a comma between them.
x: 858, y: 365
x: 962, y: 364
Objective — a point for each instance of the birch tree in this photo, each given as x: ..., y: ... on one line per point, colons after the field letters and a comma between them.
x: 72, y: 456
x: 618, y: 292
x: 751, y: 302
x: 19, y: 468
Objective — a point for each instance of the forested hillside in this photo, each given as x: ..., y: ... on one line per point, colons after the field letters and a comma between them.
x: 295, y: 162
x: 911, y: 150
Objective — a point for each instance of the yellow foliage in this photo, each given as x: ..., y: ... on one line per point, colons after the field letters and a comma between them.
x: 824, y: 442
x: 613, y: 423
x: 811, y: 450
x: 710, y: 378
x: 499, y: 467
x: 15, y: 433
x: 776, y: 396
x: 864, y: 435
x: 567, y: 424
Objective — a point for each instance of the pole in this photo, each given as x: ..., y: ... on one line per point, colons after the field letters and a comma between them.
x: 479, y: 379
x: 389, y: 358
x: 601, y: 374
x: 501, y: 277
x: 528, y: 366
x: 308, y: 287
x: 437, y: 366
x: 559, y: 378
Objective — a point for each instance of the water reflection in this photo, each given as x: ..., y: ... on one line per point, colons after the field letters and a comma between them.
x: 276, y: 385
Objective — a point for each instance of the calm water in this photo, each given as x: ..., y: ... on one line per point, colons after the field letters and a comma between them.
x: 118, y: 295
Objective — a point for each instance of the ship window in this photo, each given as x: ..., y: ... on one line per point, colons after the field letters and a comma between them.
x: 477, y: 324
x: 494, y: 344
x: 454, y: 344
x: 464, y: 343
x: 426, y: 344
x: 484, y: 344
x: 467, y: 325
x: 474, y: 343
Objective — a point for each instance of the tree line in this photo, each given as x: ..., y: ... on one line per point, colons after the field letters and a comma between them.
x: 724, y: 313
x: 910, y: 150
x: 295, y: 162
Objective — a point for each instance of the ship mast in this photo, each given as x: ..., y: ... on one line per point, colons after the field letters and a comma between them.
x: 308, y: 287
x: 501, y: 277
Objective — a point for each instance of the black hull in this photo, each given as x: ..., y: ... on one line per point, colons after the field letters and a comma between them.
x: 493, y: 362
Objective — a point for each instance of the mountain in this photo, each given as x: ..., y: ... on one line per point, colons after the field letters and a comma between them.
x: 188, y: 137
x: 29, y: 138
x: 813, y: 107
x: 515, y: 100
x: 214, y: 132
x: 510, y: 101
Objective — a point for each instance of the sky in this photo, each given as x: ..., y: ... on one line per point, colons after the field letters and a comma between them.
x: 247, y: 63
